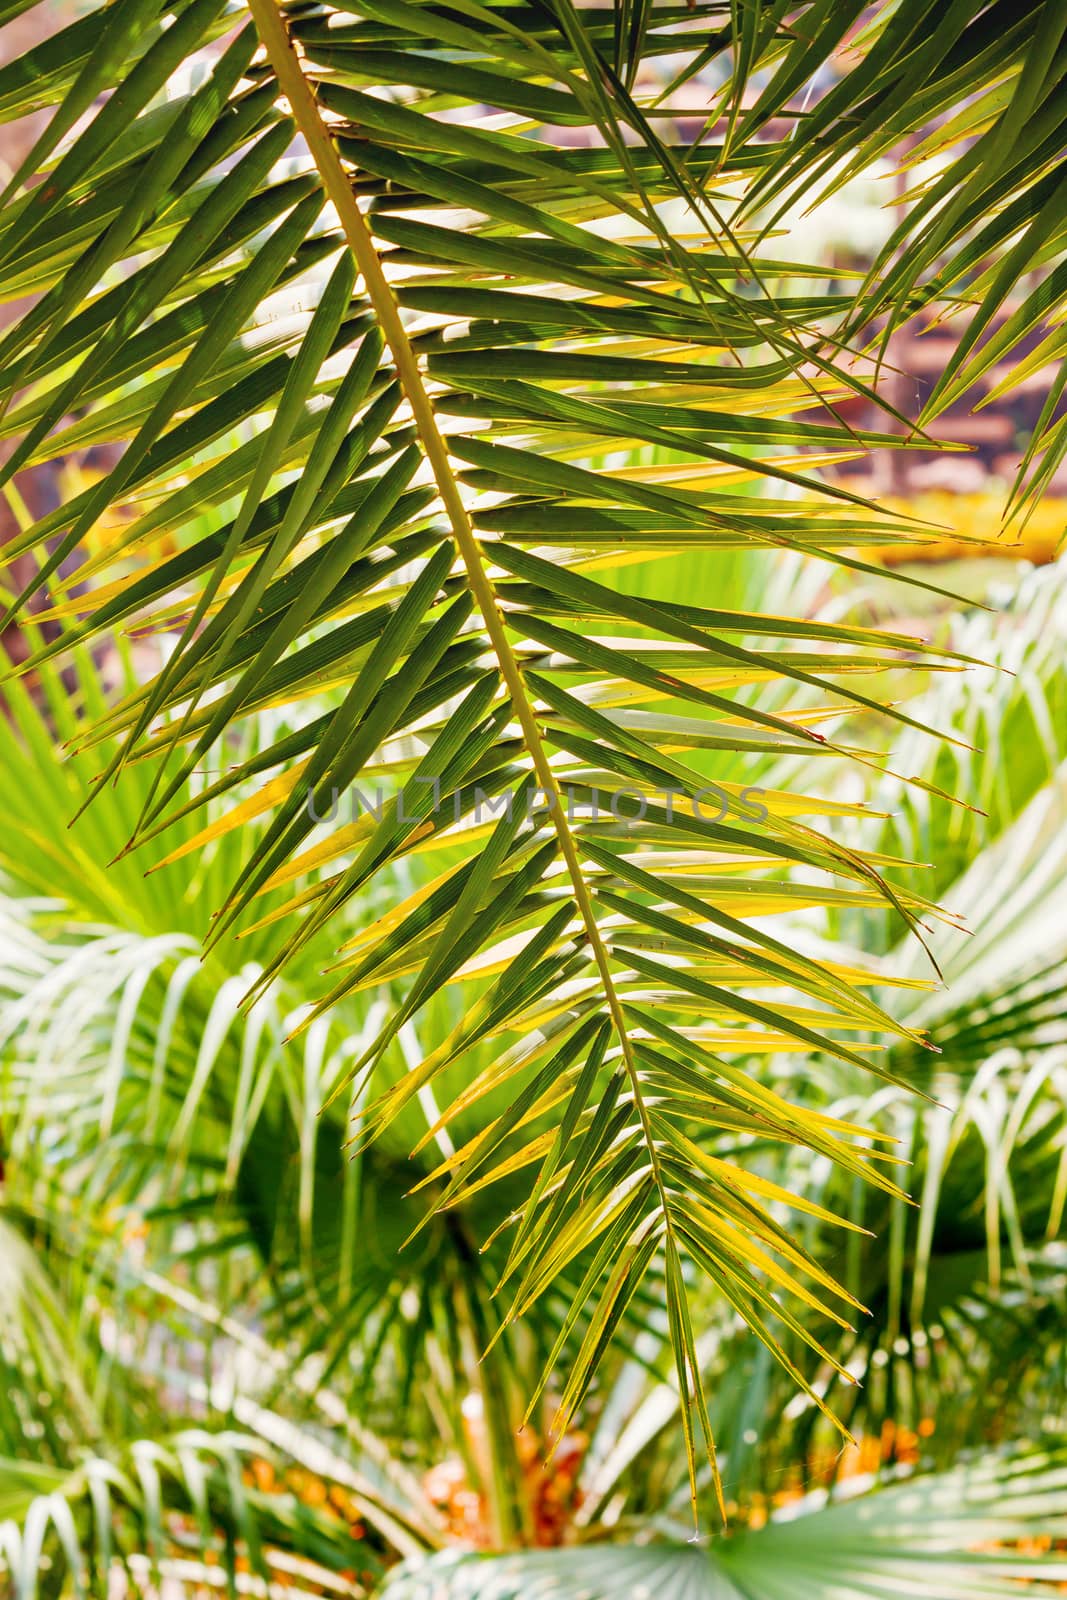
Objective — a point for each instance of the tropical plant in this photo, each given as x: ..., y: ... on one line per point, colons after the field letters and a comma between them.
x: 379, y: 392
x: 196, y: 1382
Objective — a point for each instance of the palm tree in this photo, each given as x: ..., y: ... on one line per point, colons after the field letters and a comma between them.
x: 381, y: 302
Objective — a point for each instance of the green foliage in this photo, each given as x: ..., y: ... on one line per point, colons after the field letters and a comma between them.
x: 908, y: 1534
x: 380, y: 391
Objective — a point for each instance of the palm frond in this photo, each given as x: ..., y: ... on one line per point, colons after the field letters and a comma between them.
x: 173, y: 1510
x: 371, y: 392
x: 41, y: 1357
x: 943, y: 1535
x: 972, y: 111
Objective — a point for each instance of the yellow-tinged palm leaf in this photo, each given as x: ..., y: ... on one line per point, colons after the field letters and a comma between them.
x: 371, y: 404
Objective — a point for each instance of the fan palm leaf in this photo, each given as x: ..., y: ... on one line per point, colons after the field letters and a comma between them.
x: 908, y: 1538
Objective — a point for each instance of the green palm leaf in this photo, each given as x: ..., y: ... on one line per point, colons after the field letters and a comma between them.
x: 916, y: 1536
x: 133, y: 1517
x: 393, y: 374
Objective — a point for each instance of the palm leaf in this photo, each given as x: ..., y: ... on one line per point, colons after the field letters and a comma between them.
x: 942, y: 1535
x: 403, y: 493
x: 168, y: 1510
